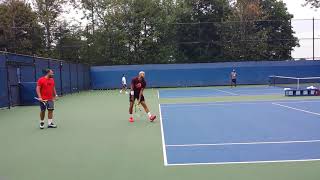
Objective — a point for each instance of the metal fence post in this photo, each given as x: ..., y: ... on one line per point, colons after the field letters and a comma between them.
x: 60, y: 68
x: 8, y: 82
x: 313, y: 40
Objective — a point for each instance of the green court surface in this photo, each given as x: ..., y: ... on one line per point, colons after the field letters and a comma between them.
x: 95, y: 141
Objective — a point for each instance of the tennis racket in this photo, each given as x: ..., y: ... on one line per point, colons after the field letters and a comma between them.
x: 137, y: 109
x: 42, y: 101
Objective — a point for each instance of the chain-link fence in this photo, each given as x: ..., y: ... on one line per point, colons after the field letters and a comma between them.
x: 183, y: 42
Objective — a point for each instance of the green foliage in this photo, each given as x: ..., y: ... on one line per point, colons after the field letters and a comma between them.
x: 19, y: 30
x: 48, y: 11
x: 313, y: 3
x: 152, y: 31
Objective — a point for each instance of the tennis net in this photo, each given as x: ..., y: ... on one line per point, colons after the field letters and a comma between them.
x: 294, y: 82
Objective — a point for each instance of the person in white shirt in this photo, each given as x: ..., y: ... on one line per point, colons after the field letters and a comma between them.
x: 233, y: 77
x: 124, y: 84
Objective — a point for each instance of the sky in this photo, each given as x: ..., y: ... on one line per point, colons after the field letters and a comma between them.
x: 304, y: 29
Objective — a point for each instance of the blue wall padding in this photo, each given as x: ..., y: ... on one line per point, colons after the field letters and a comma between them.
x: 20, y: 58
x: 87, y: 78
x: 71, y: 78
x: 55, y: 66
x: 74, y: 80
x: 14, y: 85
x: 66, y: 83
x: 80, y: 77
x: 3, y: 82
x: 27, y: 93
x: 41, y: 64
x: 27, y: 74
x: 179, y: 75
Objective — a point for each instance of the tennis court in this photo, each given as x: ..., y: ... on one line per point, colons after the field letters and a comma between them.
x: 241, y: 132
x: 94, y: 140
x: 220, y: 91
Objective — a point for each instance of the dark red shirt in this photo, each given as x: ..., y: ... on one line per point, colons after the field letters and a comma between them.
x: 138, y: 84
x: 46, y: 88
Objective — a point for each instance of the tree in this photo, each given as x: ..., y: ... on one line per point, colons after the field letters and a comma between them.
x: 259, y: 30
x: 280, y: 34
x: 19, y: 30
x: 241, y: 36
x: 313, y: 3
x: 48, y: 12
x: 129, y: 32
x: 199, y: 29
x: 69, y: 43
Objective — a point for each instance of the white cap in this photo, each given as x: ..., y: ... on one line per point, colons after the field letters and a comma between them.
x: 142, y: 72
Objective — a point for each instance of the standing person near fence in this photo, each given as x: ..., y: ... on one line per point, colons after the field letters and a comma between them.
x: 233, y: 77
x: 46, y: 92
x: 124, y: 84
x: 138, y: 84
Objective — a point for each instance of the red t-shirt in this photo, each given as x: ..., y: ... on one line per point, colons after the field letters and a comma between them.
x: 46, y: 88
x: 138, y: 84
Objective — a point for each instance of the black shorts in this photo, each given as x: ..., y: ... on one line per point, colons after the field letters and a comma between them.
x: 136, y: 96
x: 234, y: 81
x: 47, y: 105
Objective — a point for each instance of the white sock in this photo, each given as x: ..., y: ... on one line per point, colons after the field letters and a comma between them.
x: 41, y: 121
x: 49, y: 121
x: 131, y: 116
x: 149, y: 114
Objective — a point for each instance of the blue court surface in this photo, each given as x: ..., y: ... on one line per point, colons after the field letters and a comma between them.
x: 240, y: 132
x: 218, y: 92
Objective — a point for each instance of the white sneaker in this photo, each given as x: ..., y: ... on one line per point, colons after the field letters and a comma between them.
x: 41, y: 125
x: 51, y: 125
x: 127, y: 92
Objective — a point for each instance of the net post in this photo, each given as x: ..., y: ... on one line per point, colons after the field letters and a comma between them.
x: 298, y: 83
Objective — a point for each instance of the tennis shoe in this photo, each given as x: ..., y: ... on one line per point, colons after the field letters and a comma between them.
x: 152, y: 118
x: 131, y: 119
x: 41, y: 125
x: 52, y: 125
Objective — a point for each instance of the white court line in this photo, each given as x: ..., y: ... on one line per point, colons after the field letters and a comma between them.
x: 297, y: 109
x: 245, y: 162
x: 245, y: 143
x: 224, y: 103
x: 164, y: 152
x: 226, y: 92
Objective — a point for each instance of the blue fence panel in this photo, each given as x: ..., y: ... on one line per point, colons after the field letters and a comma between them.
x: 81, y: 77
x: 74, y: 77
x: 3, y: 82
x: 13, y: 82
x: 27, y: 74
x: 68, y: 77
x: 20, y: 58
x: 179, y: 75
x: 66, y: 81
x: 55, y: 66
x: 40, y: 65
x: 27, y: 93
x: 87, y: 81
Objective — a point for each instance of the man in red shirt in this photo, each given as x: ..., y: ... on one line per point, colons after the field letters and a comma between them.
x: 138, y: 84
x: 46, y: 92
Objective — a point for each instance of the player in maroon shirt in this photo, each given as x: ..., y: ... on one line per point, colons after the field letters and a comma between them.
x: 46, y: 92
x: 138, y: 84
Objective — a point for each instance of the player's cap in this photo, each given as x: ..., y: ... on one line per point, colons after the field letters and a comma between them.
x: 141, y: 72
